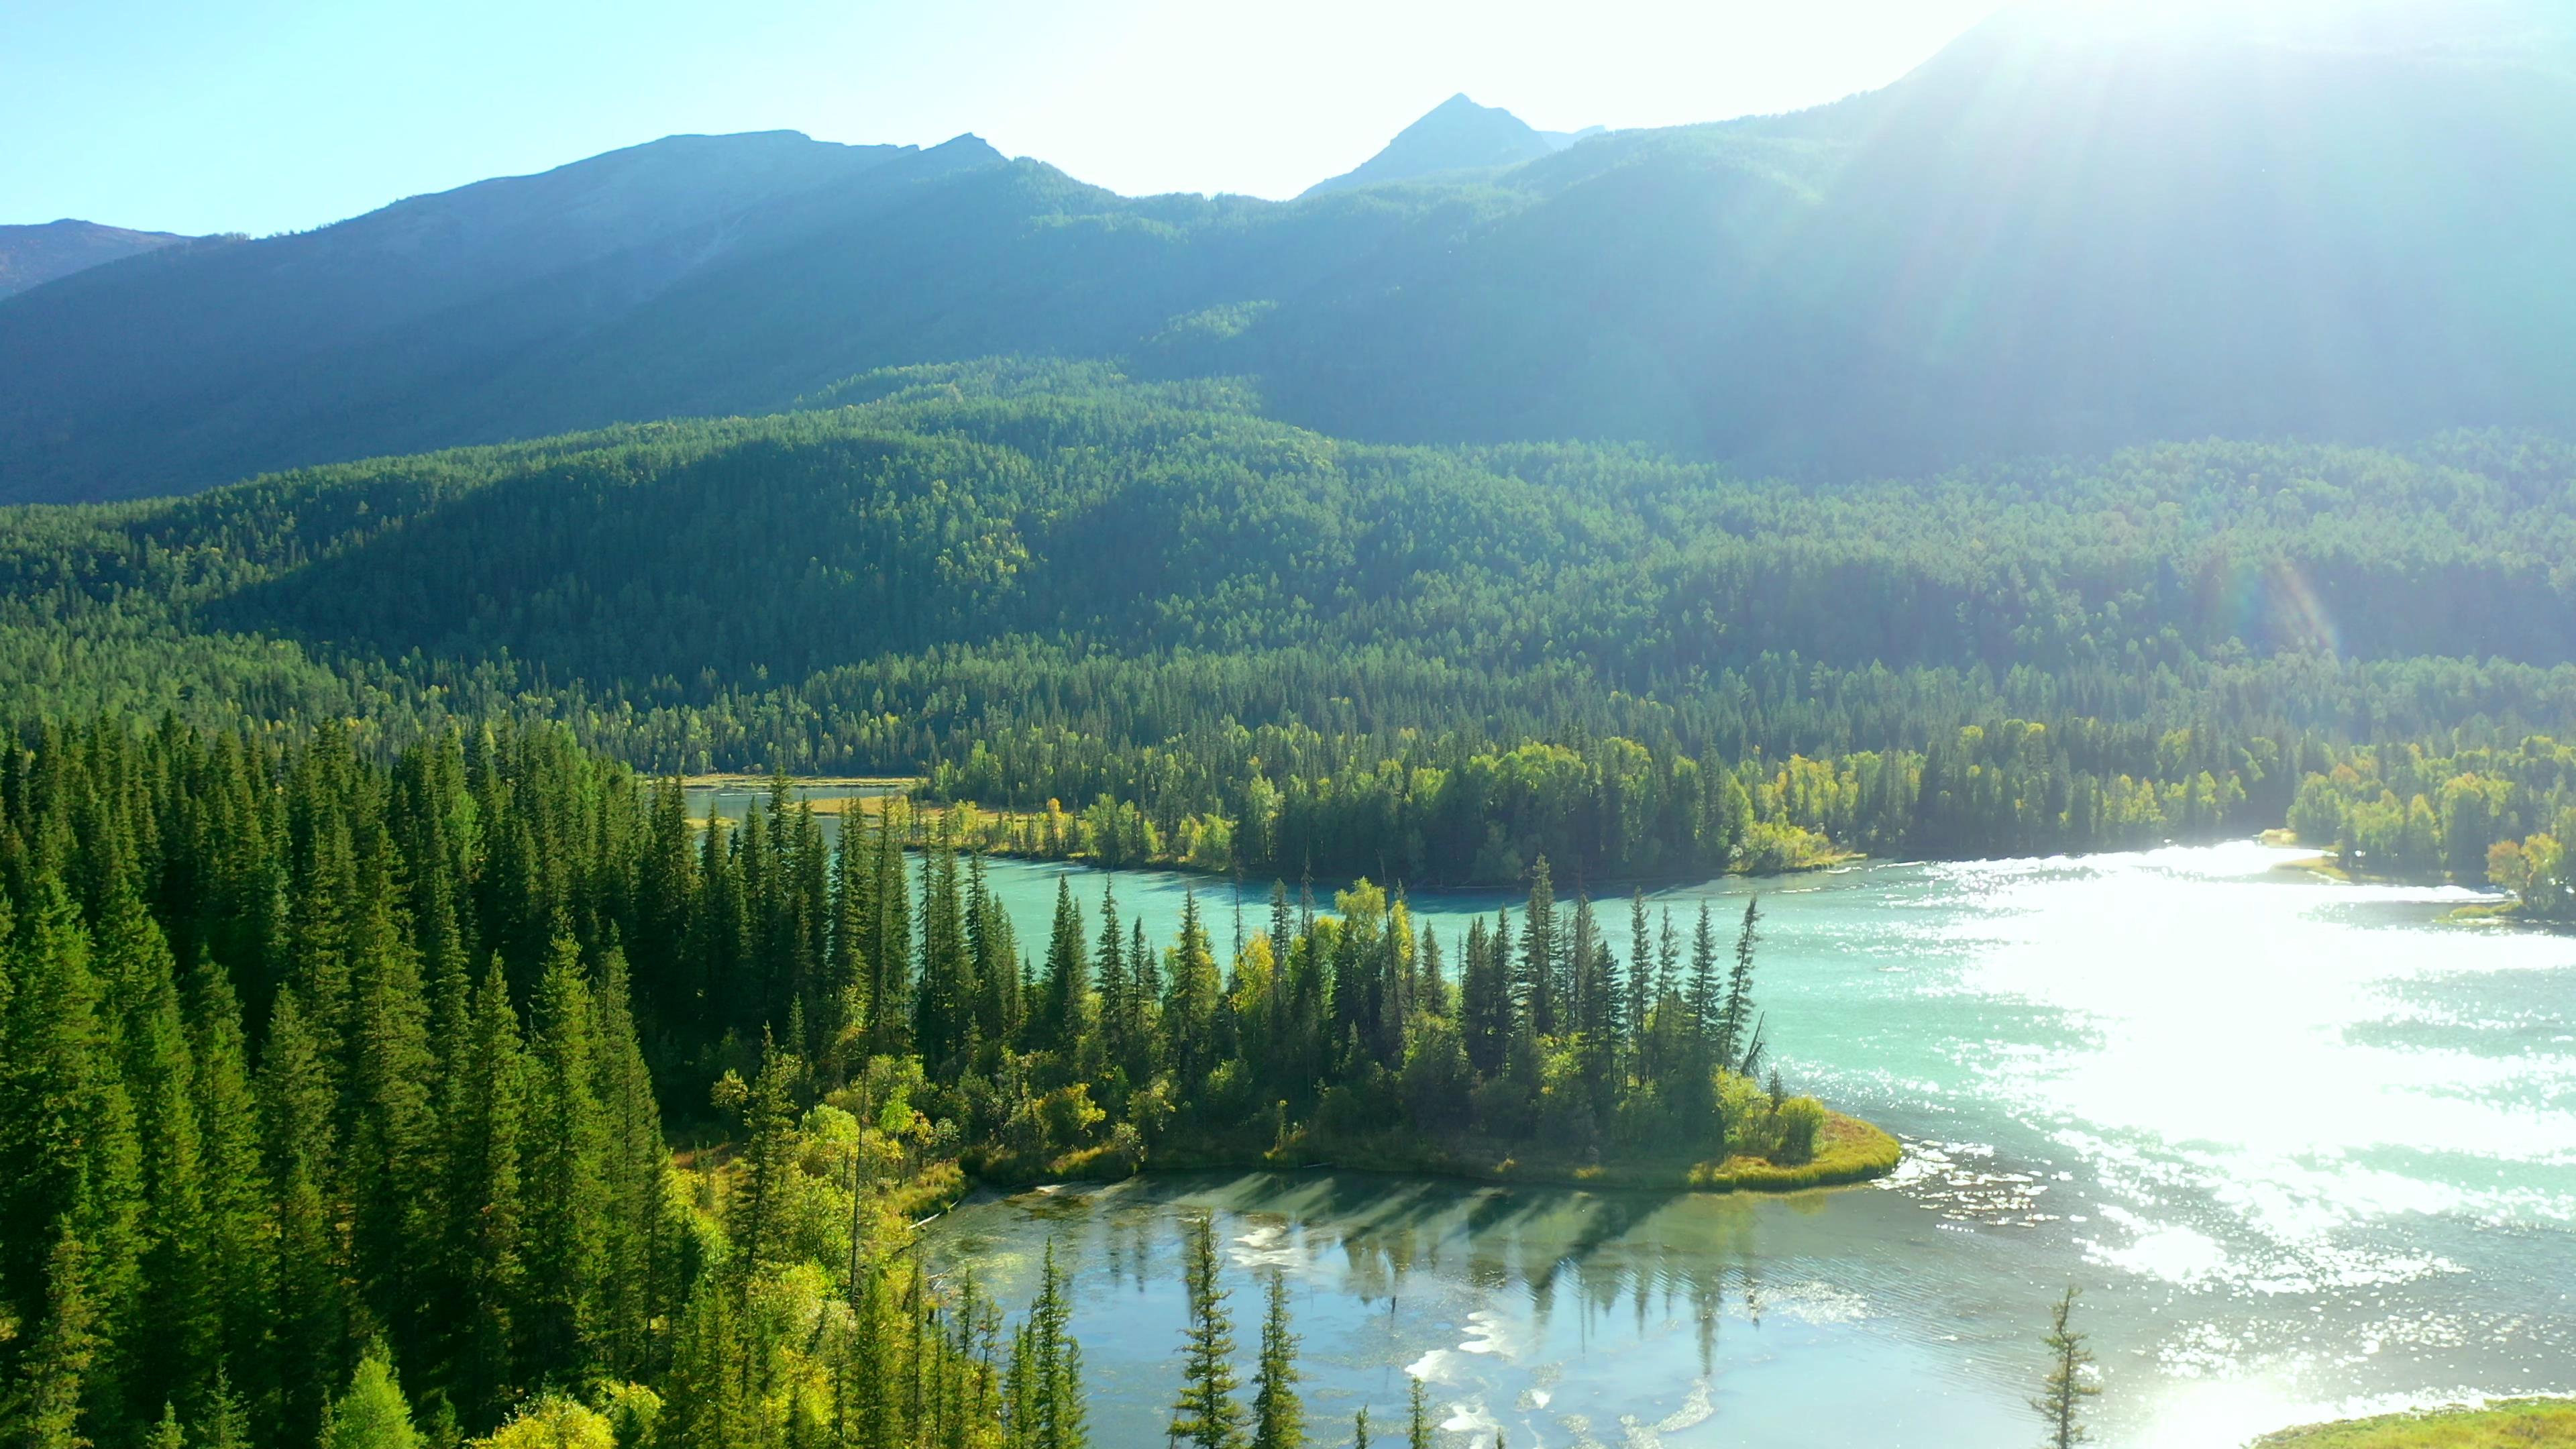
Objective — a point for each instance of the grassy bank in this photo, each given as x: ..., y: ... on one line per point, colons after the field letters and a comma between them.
x: 1848, y: 1151
x: 2519, y: 1424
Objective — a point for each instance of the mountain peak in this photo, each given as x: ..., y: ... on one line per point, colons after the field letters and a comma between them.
x: 31, y: 256
x: 1455, y: 135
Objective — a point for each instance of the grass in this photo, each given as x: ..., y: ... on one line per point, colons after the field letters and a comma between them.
x: 2516, y: 1424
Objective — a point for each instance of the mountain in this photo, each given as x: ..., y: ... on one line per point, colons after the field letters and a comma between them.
x: 2083, y: 225
x: 241, y: 355
x: 31, y: 256
x: 1457, y: 135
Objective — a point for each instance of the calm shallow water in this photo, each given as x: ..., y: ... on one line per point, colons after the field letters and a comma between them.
x: 2307, y: 1149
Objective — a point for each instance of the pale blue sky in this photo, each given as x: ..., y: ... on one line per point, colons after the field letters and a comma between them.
x: 275, y: 115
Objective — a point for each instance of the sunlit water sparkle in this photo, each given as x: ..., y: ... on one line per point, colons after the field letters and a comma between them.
x: 2310, y: 1149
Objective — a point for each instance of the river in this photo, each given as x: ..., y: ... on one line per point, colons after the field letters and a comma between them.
x: 2308, y: 1148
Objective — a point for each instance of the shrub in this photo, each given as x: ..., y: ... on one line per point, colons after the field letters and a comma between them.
x: 1796, y: 1123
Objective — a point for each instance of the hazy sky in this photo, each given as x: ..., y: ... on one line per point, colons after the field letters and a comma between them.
x: 273, y: 115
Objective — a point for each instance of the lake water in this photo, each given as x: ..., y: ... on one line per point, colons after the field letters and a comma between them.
x: 2307, y: 1148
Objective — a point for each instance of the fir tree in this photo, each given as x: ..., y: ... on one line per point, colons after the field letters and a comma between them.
x: 54, y: 1373
x: 1536, y: 999
x: 306, y: 1309
x: 1705, y: 998
x: 372, y: 1414
x: 564, y: 1151
x: 1278, y: 1415
x: 2069, y: 1382
x: 1734, y: 1018
x: 483, y: 1240
x: 1206, y: 1415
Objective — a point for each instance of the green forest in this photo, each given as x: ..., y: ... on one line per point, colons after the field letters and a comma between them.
x: 387, y: 1044
x: 1253, y: 648
x: 321, y: 1071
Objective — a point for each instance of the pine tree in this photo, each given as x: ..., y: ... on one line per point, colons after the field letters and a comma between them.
x: 373, y: 1414
x: 1278, y: 1415
x: 1206, y: 1415
x: 67, y: 1133
x: 1058, y: 1017
x: 57, y: 1364
x: 1048, y: 1398
x: 1735, y: 1016
x: 2069, y: 1382
x: 1705, y: 1000
x: 1359, y: 1428
x: 235, y: 1194
x: 632, y: 1169
x: 388, y: 1117
x: 1109, y: 969
x: 225, y: 1424
x: 1418, y: 1419
x: 1537, y: 995
x: 1641, y: 968
x: 178, y: 1329
x: 306, y: 1310
x: 564, y: 1150
x: 483, y: 1231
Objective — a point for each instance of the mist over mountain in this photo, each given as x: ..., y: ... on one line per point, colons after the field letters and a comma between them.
x: 31, y: 256
x: 2079, y: 226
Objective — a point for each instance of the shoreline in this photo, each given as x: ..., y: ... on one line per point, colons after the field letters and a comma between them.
x: 2535, y: 1421
x: 1849, y: 1153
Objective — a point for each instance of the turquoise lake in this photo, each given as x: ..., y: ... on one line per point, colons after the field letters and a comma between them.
x: 2308, y: 1148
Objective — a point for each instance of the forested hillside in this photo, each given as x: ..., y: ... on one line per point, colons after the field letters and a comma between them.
x: 2058, y: 235
x: 1037, y: 583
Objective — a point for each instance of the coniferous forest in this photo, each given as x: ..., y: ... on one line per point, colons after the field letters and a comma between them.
x: 323, y: 1071
x: 1212, y: 639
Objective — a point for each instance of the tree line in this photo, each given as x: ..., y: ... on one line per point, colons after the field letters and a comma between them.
x: 1283, y: 650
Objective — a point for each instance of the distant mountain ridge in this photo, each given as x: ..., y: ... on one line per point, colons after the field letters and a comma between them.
x: 2057, y: 235
x: 31, y: 256
x: 1457, y: 135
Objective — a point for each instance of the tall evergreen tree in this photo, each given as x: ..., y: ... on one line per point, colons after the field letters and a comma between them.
x: 564, y: 1163
x: 1536, y: 997
x: 1206, y: 1415
x: 1735, y: 1016
x: 1278, y: 1414
x: 482, y: 1269
x: 372, y: 1414
x: 308, y: 1325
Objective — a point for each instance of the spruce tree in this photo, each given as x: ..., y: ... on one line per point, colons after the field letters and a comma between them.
x: 1418, y: 1418
x: 1735, y: 1017
x: 483, y: 1231
x: 56, y: 1368
x: 1705, y: 997
x: 307, y: 1312
x: 1206, y: 1415
x: 2069, y: 1382
x: 1536, y: 1001
x: 635, y: 1159
x: 1278, y: 1415
x: 1058, y: 1015
x: 389, y: 1122
x: 234, y: 1199
x: 564, y: 1150
x: 372, y: 1414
